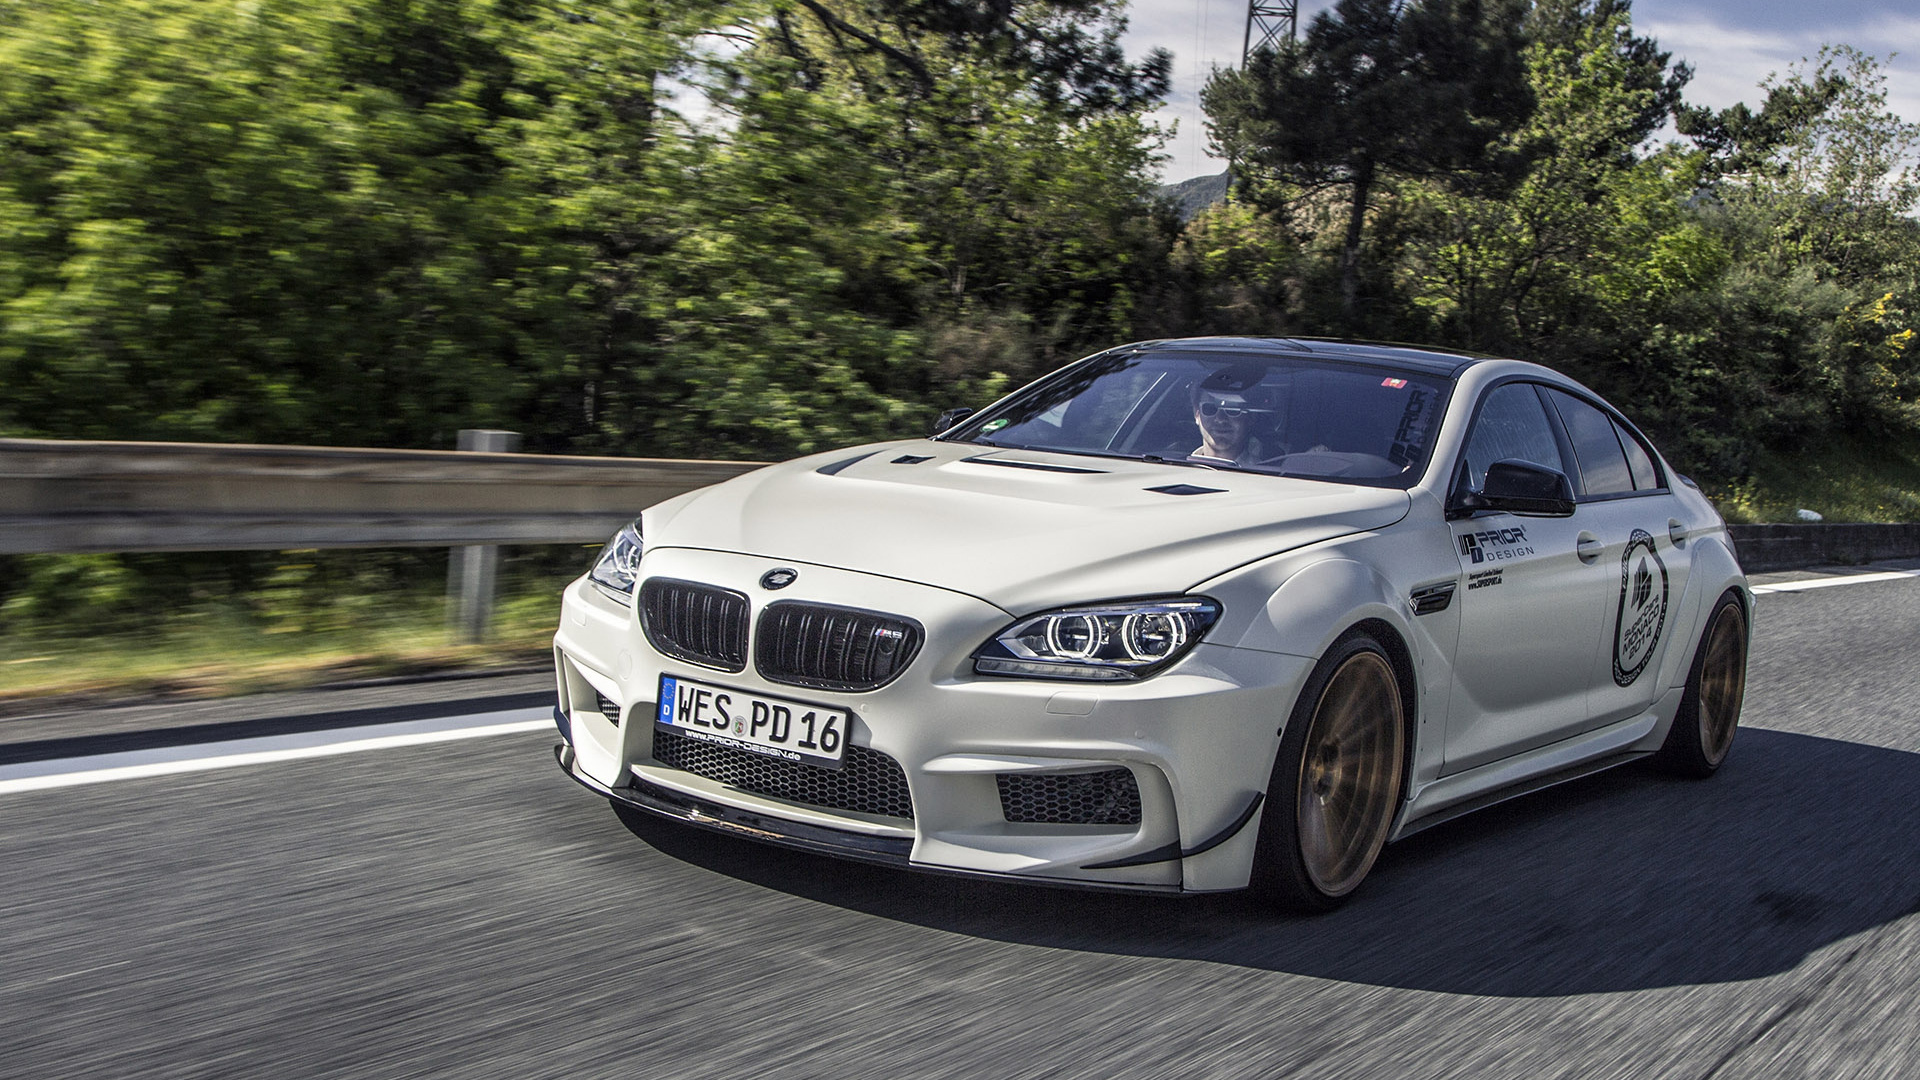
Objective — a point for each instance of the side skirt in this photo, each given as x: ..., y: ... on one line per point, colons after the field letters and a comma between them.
x: 1476, y: 789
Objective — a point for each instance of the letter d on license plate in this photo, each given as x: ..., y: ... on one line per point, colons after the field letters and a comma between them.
x: 756, y: 723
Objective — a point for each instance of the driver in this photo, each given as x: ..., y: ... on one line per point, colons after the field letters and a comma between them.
x: 1227, y: 417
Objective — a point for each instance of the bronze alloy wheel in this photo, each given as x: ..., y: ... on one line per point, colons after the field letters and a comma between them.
x: 1348, y: 776
x: 1703, y: 729
x: 1723, y: 682
x: 1336, y: 780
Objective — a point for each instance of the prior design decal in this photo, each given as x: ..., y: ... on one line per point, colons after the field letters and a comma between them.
x: 1413, y: 424
x: 1483, y: 580
x: 1643, y: 608
x: 1495, y: 545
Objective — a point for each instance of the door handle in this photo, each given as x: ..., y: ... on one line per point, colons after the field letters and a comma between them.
x: 1588, y: 547
x: 1676, y: 530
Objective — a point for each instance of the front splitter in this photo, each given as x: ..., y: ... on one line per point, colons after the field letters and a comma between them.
x: 815, y: 839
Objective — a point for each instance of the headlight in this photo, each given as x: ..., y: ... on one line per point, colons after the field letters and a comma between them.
x: 1129, y: 639
x: 619, y: 564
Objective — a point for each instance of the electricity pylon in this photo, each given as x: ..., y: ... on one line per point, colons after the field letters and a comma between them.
x: 1267, y: 22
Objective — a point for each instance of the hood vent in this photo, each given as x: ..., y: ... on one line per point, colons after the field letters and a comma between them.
x: 831, y: 468
x: 911, y: 459
x: 1036, y: 466
x: 1185, y: 489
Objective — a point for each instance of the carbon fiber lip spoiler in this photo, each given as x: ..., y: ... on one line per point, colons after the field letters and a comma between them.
x: 880, y: 850
x: 888, y: 851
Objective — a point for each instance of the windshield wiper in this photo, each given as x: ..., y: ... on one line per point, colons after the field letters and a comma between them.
x: 1158, y: 460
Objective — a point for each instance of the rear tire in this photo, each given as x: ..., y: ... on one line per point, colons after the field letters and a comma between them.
x: 1336, y: 783
x: 1703, y: 729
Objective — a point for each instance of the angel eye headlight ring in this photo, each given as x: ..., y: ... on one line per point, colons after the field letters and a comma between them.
x: 1118, y: 640
x: 1153, y: 635
x: 1077, y: 637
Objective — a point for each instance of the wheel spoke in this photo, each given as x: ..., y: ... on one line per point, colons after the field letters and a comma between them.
x: 1350, y: 766
x: 1722, y: 682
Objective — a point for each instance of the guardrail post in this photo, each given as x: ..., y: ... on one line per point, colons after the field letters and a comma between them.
x: 473, y: 570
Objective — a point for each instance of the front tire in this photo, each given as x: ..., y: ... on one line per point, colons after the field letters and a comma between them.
x: 1702, y: 731
x: 1336, y: 782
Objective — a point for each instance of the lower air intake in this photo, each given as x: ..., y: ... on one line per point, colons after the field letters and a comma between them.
x: 607, y: 708
x: 1109, y: 797
x: 867, y: 782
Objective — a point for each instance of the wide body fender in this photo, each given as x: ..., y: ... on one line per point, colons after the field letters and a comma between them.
x: 1299, y: 604
x: 1713, y: 570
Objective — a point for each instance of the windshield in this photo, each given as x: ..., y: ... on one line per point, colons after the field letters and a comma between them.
x: 1289, y: 416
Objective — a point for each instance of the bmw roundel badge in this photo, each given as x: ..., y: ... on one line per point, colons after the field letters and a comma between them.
x: 778, y: 579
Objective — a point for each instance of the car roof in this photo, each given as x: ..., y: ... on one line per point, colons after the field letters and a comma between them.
x: 1421, y: 358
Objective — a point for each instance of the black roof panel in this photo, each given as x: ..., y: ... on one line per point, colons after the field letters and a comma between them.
x: 1425, y: 359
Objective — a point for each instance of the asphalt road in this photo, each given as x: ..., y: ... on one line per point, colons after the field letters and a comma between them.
x: 463, y: 910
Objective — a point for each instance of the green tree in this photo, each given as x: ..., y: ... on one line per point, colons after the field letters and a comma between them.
x: 1377, y: 90
x: 1020, y: 162
x: 274, y: 221
x: 1591, y: 220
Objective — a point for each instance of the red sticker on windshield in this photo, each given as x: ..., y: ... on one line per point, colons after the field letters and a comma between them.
x: 1397, y: 384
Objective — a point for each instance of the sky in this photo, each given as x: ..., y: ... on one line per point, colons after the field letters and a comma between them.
x: 1732, y: 44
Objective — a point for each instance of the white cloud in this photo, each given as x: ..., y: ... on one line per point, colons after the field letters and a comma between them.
x: 1202, y: 35
x: 1730, y: 61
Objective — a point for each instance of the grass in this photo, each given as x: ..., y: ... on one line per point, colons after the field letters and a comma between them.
x: 218, y: 655
x: 1849, y: 479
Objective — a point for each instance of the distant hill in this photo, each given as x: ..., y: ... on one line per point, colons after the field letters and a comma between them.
x: 1195, y: 195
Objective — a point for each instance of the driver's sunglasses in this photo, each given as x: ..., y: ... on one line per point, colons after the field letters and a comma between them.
x: 1210, y: 409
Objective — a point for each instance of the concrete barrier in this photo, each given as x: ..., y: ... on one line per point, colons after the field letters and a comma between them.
x: 1790, y: 547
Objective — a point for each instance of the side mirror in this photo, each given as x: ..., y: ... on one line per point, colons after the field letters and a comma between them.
x: 949, y: 418
x: 1521, y: 487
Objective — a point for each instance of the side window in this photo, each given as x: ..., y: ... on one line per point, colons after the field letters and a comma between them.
x: 1512, y: 424
x: 1603, y: 465
x: 1645, y: 476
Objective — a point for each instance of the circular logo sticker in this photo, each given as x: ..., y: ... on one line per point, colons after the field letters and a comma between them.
x: 778, y: 579
x: 1643, y: 608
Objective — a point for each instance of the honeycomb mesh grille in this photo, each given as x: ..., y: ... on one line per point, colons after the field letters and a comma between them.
x: 833, y: 648
x: 867, y: 782
x: 699, y: 623
x: 607, y: 708
x: 1110, y: 797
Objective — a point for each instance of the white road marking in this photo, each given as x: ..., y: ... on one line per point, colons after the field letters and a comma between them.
x: 169, y: 760
x: 201, y: 757
x: 1845, y: 579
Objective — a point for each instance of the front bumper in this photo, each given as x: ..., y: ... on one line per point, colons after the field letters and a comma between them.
x: 1198, y: 739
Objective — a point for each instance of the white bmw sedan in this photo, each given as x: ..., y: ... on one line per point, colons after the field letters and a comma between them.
x: 1183, y: 616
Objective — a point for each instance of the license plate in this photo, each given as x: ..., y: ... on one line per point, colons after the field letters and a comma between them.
x: 756, y: 723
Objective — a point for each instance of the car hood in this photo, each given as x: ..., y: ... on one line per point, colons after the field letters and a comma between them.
x: 1023, y: 530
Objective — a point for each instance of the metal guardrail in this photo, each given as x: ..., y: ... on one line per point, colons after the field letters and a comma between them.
x: 62, y: 496
x: 57, y: 495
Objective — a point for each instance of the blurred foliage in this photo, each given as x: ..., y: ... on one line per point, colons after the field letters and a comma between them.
x: 48, y: 598
x: 235, y: 622
x: 711, y: 228
x: 756, y: 228
x: 323, y: 617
